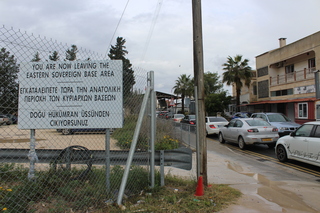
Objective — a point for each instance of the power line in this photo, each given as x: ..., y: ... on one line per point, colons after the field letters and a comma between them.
x: 117, y: 27
x: 153, y: 23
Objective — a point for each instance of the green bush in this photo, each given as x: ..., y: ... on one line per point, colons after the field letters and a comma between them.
x: 164, y: 132
x: 166, y: 142
x: 138, y: 178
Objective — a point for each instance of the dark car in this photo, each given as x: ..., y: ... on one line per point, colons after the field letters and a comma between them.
x: 12, y: 119
x: 189, y: 119
x: 162, y: 114
x: 241, y: 115
x: 71, y: 131
x: 169, y: 115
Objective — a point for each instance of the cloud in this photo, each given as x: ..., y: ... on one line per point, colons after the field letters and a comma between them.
x: 159, y: 33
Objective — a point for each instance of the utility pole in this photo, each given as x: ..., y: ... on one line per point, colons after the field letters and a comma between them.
x: 199, y: 83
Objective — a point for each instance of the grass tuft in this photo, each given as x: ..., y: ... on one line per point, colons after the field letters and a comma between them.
x: 178, y: 195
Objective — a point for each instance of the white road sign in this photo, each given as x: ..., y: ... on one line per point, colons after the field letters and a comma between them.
x: 71, y: 94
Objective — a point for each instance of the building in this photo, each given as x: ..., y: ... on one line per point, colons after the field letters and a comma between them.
x: 287, y: 81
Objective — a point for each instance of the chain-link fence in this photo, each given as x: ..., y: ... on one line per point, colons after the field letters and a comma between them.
x: 68, y: 124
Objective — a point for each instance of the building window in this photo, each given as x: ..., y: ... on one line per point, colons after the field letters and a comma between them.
x: 318, y: 112
x: 281, y: 92
x: 311, y: 63
x: 303, y: 110
x: 290, y: 69
x: 262, y: 71
x: 254, y: 89
x: 263, y: 89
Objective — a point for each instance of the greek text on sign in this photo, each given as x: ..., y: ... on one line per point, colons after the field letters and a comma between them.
x: 71, y: 94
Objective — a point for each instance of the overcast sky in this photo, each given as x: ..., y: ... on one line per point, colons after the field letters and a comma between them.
x: 159, y: 32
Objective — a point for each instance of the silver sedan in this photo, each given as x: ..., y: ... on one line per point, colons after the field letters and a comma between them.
x: 247, y: 131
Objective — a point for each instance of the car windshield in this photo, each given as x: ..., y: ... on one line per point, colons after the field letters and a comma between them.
x: 257, y: 122
x: 178, y: 115
x: 217, y: 119
x: 278, y: 118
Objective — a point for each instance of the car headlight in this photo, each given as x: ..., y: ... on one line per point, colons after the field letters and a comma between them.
x: 284, y: 128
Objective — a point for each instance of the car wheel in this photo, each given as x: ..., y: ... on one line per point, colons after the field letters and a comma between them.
x: 281, y: 153
x: 221, y: 139
x: 242, y: 144
x: 66, y: 131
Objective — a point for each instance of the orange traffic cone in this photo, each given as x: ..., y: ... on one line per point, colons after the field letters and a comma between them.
x: 199, y: 190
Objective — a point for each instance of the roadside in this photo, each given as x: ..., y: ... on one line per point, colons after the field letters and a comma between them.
x: 266, y: 187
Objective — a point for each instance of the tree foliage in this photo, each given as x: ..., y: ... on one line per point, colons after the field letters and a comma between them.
x: 36, y: 57
x: 212, y: 84
x: 216, y: 99
x: 71, y: 54
x: 118, y: 52
x: 183, y: 87
x: 54, y: 56
x: 217, y: 102
x: 237, y: 71
x: 9, y: 85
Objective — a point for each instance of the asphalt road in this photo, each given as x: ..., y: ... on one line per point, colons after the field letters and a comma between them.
x: 267, y: 185
x: 263, y: 153
x: 257, y: 153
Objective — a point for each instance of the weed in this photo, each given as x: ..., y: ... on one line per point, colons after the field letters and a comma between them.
x: 178, y: 196
x: 57, y: 192
x: 164, y: 140
x: 167, y: 142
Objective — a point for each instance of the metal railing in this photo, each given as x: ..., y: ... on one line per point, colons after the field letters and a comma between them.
x: 300, y: 75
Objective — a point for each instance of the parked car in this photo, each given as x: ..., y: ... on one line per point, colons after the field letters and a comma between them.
x: 283, y: 123
x: 162, y: 114
x: 213, y: 124
x: 247, y: 131
x: 71, y: 131
x: 301, y: 145
x: 189, y: 119
x: 177, y: 117
x: 241, y: 115
x: 12, y: 118
x: 168, y: 115
x: 4, y: 120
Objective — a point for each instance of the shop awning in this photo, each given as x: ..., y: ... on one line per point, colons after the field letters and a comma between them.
x: 280, y: 101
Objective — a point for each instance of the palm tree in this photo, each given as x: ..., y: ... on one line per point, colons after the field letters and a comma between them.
x: 184, y: 88
x: 236, y: 72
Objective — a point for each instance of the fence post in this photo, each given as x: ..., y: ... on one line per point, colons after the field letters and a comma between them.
x: 162, y: 167
x: 107, y: 144
x: 133, y: 146
x: 153, y: 127
x: 32, y: 154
